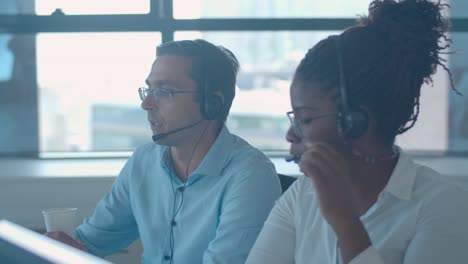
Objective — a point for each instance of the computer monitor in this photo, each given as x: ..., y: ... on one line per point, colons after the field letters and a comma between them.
x: 19, y: 245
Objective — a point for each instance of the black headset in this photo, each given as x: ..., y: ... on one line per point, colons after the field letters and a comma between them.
x: 211, y: 104
x: 353, y: 122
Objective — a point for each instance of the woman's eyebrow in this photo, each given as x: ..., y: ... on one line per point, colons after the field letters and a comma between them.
x: 305, y: 107
x: 164, y: 82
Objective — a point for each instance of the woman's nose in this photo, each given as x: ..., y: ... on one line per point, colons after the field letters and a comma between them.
x: 291, y: 136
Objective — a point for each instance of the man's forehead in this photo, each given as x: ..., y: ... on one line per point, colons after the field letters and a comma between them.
x: 174, y: 62
x: 173, y: 70
x: 169, y: 67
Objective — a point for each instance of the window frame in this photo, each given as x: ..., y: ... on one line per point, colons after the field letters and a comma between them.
x: 162, y: 20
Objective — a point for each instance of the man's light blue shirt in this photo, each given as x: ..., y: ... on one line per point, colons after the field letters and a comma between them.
x: 225, y: 202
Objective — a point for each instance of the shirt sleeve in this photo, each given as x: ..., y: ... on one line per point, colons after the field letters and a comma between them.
x: 276, y: 242
x: 249, y: 197
x: 112, y: 225
x: 368, y: 256
x: 441, y: 232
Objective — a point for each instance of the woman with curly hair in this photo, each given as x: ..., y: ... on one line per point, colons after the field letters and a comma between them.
x: 362, y: 199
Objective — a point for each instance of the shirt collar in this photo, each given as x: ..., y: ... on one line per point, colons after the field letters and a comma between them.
x: 215, y: 159
x: 218, y: 154
x: 403, y: 177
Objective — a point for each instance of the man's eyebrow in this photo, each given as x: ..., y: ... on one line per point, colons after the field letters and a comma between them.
x: 159, y: 83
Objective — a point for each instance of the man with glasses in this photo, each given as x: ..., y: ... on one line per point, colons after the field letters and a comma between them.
x: 198, y: 194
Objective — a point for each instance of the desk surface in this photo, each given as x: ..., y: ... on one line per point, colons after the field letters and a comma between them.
x: 110, y: 167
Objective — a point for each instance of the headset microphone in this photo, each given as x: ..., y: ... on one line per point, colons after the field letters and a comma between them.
x: 162, y: 135
x: 336, y: 143
x: 293, y: 157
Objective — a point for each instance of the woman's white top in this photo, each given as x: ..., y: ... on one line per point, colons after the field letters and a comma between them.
x: 419, y: 218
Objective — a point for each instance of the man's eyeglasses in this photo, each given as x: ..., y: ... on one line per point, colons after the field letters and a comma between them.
x: 297, y: 123
x: 160, y: 94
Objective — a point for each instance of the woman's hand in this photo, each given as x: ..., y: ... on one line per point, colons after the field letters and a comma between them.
x: 329, y: 172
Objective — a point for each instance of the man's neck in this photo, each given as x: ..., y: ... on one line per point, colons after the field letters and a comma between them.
x: 187, y: 157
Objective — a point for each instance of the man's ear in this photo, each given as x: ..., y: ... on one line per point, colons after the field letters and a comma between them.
x: 214, y: 105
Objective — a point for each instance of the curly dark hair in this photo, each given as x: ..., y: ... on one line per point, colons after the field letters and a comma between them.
x: 387, y: 57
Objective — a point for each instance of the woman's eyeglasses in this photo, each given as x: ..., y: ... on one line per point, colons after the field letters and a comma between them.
x: 297, y: 123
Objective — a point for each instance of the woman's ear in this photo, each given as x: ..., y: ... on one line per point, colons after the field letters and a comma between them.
x: 370, y: 133
x: 370, y: 119
x: 220, y: 95
x: 353, y: 123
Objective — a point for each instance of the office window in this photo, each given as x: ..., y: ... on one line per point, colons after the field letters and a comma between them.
x: 458, y: 105
x: 6, y: 57
x: 18, y: 94
x: 269, y: 8
x: 268, y: 60
x: 458, y: 8
x: 88, y: 84
x: 74, y: 7
x: 66, y: 90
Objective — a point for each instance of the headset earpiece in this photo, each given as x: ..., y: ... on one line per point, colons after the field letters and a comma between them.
x: 212, y: 106
x: 353, y: 122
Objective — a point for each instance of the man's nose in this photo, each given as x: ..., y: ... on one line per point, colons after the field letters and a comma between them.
x: 148, y: 103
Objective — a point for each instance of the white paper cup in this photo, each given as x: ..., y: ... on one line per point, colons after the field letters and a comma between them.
x: 60, y: 219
